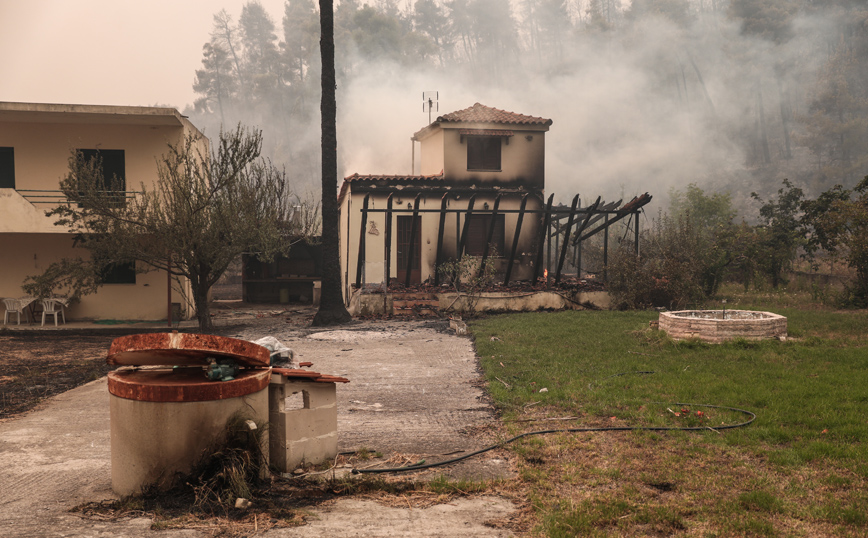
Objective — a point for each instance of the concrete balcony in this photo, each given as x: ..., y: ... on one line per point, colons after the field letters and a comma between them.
x: 20, y: 214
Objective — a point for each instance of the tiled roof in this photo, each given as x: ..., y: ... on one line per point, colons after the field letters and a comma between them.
x: 479, y: 113
x: 392, y: 180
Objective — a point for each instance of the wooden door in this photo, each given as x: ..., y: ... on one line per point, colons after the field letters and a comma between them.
x: 405, y: 224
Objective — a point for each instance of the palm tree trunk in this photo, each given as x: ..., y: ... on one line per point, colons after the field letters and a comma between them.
x: 331, y: 307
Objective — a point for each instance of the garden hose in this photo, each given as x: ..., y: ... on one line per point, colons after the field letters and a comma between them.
x: 420, y: 466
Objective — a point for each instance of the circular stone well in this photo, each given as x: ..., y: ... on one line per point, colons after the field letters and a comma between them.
x: 716, y: 326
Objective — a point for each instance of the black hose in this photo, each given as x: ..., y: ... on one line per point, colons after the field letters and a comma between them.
x: 572, y: 430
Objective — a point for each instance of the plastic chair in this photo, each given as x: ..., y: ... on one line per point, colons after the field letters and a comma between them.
x: 13, y: 306
x: 52, y: 307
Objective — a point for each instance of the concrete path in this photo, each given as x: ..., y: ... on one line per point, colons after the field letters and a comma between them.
x: 411, y: 392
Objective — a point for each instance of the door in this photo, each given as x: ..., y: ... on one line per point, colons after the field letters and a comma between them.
x: 405, y: 224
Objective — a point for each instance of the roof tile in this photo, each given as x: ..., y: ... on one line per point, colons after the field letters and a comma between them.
x: 480, y: 113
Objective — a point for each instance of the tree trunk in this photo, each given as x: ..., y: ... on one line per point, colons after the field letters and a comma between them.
x: 331, y: 306
x: 203, y: 312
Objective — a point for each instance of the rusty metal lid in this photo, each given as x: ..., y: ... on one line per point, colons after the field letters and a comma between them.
x: 183, y: 385
x: 184, y: 349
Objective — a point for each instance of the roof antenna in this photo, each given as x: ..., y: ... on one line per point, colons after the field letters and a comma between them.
x: 429, y: 103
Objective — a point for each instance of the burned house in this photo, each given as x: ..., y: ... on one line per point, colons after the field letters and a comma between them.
x: 480, y: 192
x: 481, y: 170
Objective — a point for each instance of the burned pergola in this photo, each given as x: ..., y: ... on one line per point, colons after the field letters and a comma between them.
x: 581, y: 223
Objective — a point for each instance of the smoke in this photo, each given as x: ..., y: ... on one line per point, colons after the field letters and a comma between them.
x: 630, y: 114
x: 648, y: 104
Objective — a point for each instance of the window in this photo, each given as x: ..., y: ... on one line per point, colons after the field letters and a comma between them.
x: 113, y: 169
x: 483, y: 152
x: 7, y: 168
x: 119, y: 273
x: 477, y: 233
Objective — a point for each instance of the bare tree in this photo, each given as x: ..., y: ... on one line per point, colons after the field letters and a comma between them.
x: 204, y: 211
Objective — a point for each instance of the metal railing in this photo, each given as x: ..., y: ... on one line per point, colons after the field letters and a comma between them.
x: 57, y: 197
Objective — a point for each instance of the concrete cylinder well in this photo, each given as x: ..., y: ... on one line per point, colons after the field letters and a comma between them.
x: 716, y: 326
x: 164, y: 421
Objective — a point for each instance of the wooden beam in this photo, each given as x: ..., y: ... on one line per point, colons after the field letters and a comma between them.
x: 360, y: 255
x: 387, y: 240
x: 515, y: 238
x: 567, y: 238
x: 439, y: 256
x: 542, y: 238
x: 410, y: 249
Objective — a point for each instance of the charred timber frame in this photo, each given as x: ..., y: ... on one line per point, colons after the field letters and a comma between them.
x: 609, y: 214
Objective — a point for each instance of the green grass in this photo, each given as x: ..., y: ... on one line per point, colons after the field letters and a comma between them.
x: 810, y: 395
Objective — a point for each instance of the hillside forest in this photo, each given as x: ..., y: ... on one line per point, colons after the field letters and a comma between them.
x: 760, y: 103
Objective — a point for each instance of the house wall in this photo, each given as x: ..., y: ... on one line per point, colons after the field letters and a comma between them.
x: 42, y: 142
x: 375, y: 249
x: 432, y: 154
x: 522, y: 160
x: 30, y: 254
x: 42, y: 152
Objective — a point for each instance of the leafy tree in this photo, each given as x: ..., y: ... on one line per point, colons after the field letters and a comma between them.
x: 839, y: 222
x: 203, y: 212
x: 215, y: 81
x: 331, y: 306
x: 837, y: 123
x: 300, y: 29
x: 780, y: 233
x: 667, y: 273
x: 710, y: 218
x: 430, y: 19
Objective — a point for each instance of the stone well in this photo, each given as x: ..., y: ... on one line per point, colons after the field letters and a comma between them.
x: 716, y: 326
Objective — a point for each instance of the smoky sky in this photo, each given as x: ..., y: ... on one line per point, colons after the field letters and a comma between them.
x: 649, y: 104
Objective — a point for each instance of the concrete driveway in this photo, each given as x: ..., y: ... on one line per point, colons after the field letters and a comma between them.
x: 412, y: 391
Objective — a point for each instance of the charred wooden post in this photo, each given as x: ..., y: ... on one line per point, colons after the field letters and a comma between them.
x: 515, y: 238
x: 579, y: 259
x: 589, y: 213
x: 490, y: 234
x: 566, y: 238
x: 360, y: 261
x: 439, y: 257
x: 636, y: 231
x: 463, y: 241
x: 388, y: 239
x: 412, y: 244
x: 606, y: 249
x: 542, y: 238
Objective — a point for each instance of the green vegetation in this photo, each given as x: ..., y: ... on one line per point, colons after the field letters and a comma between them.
x: 801, y: 464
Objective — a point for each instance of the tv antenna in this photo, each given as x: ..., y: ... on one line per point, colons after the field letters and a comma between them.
x: 429, y: 103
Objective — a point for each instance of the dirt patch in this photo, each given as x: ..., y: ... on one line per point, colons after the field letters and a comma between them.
x: 39, y: 365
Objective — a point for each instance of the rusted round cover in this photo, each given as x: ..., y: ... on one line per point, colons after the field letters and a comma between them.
x: 183, y: 349
x: 183, y: 385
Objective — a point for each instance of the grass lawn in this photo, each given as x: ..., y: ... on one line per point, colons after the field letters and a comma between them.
x: 800, y: 469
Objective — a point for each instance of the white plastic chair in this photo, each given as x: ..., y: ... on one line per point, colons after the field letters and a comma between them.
x: 52, y: 307
x: 13, y: 306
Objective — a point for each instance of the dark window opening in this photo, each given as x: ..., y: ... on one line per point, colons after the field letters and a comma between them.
x: 114, y: 174
x: 7, y: 168
x: 477, y: 234
x: 483, y: 152
x: 119, y: 273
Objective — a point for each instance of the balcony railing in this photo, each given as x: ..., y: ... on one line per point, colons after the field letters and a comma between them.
x: 56, y: 197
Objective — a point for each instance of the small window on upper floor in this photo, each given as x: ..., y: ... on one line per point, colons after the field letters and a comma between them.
x: 483, y: 153
x: 113, y: 169
x: 7, y: 168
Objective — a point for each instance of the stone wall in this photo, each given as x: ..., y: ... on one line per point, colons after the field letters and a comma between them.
x: 750, y: 325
